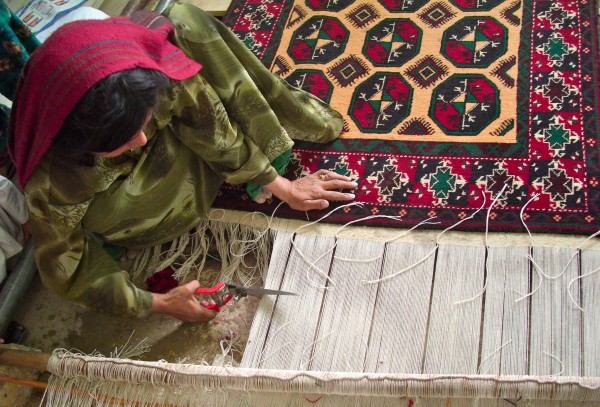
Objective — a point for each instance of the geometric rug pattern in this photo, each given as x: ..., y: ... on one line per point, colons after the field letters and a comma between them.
x: 444, y: 102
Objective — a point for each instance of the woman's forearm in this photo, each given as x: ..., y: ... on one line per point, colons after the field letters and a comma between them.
x: 280, y: 187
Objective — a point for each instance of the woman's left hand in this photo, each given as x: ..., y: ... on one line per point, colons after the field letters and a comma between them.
x: 313, y: 191
x: 182, y: 304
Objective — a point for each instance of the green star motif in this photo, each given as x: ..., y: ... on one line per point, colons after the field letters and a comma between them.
x: 342, y: 169
x: 250, y: 42
x: 557, y: 136
x: 442, y: 183
x: 556, y: 49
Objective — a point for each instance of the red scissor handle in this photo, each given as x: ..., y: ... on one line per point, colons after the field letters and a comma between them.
x: 209, y: 290
x: 219, y: 301
x: 217, y: 307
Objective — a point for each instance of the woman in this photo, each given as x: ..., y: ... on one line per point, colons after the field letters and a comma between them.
x: 101, y: 153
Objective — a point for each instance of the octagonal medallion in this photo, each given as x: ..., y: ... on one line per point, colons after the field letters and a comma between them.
x: 392, y: 42
x: 381, y: 102
x: 311, y: 81
x: 465, y: 104
x: 476, y: 5
x: 328, y: 5
x: 475, y: 42
x: 318, y: 41
x: 403, y: 6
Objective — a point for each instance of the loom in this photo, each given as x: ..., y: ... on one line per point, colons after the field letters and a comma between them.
x: 382, y: 322
x: 468, y: 323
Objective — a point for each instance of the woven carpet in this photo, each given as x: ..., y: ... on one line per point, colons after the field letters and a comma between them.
x: 444, y: 102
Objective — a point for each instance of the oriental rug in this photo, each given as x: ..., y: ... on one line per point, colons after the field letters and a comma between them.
x: 444, y: 102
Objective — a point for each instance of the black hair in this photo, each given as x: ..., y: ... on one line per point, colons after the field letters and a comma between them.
x: 109, y: 114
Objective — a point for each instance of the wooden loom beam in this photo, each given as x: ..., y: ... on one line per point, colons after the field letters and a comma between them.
x: 39, y: 361
x: 25, y: 359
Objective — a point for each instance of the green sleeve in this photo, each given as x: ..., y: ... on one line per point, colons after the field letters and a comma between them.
x: 257, y: 113
x: 280, y: 164
x: 71, y: 263
x: 201, y: 122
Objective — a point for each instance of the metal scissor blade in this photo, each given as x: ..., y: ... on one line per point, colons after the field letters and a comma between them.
x: 258, y: 292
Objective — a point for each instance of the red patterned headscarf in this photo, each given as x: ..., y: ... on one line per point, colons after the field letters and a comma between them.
x: 73, y: 59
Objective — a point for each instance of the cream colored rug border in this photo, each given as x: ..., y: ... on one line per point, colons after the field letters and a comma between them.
x: 496, y: 239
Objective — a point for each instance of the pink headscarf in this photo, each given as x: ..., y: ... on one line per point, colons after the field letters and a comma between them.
x: 69, y: 63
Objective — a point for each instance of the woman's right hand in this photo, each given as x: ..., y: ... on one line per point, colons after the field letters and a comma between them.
x: 181, y: 303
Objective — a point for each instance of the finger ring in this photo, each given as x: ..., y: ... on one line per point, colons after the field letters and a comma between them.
x: 323, y: 177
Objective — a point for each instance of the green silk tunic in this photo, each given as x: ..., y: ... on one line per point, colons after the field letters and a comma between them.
x: 228, y: 123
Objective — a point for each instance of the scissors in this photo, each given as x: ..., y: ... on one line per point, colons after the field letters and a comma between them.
x: 222, y: 293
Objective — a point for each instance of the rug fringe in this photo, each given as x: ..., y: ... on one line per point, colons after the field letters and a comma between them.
x: 244, y: 252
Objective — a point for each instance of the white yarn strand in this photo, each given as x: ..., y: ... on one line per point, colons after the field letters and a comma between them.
x: 428, y: 255
x: 591, y: 273
x: 412, y: 266
x: 270, y: 339
x: 427, y: 221
x: 188, y: 253
x: 562, y: 365
x: 529, y: 257
x: 577, y: 251
x: 312, y: 346
x: 536, y: 268
x: 312, y: 264
x: 533, y: 198
x: 491, y: 355
x: 471, y: 216
x: 487, y: 222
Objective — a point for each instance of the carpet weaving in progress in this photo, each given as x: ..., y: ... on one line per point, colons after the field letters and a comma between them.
x: 469, y: 310
x: 443, y: 102
x: 380, y: 323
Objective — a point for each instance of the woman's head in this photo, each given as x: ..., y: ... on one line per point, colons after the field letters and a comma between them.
x: 72, y: 61
x: 110, y: 115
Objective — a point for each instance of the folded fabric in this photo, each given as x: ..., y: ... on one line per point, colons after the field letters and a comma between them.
x: 13, y: 213
x: 162, y: 281
x: 41, y: 14
x: 4, y: 158
x: 17, y: 43
x: 82, y: 13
